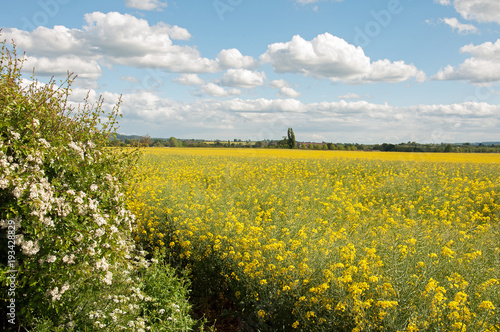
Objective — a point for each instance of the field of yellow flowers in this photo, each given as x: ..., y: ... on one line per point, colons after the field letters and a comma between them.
x: 331, y: 240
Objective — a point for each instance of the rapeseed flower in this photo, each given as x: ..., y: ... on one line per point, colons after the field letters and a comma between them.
x: 369, y: 235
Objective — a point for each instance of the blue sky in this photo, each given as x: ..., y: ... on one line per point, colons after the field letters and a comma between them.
x: 341, y: 71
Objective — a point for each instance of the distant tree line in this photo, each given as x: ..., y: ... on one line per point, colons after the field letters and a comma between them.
x: 289, y: 142
x: 443, y: 147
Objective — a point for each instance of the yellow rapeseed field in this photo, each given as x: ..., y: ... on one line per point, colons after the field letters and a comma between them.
x: 331, y: 240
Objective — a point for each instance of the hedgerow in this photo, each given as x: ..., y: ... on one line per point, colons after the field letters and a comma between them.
x: 67, y: 260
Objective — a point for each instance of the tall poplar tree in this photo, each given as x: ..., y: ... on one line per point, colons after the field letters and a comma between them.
x: 291, y: 139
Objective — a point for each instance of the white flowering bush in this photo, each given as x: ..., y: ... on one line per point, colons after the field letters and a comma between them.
x: 67, y: 260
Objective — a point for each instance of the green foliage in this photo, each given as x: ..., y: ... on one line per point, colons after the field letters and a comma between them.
x: 64, y: 227
x: 174, y: 142
x: 291, y: 139
x: 168, y: 308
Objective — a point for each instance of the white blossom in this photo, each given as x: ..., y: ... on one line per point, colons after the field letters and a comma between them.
x: 44, y: 142
x: 65, y: 287
x: 51, y: 258
x: 102, y: 264
x: 140, y: 322
x: 74, y: 146
x: 69, y: 259
x: 17, y: 192
x: 108, y: 279
x: 100, y: 232
x: 62, y: 207
x: 19, y: 238
x: 78, y: 237
x: 4, y: 223
x: 78, y: 149
x: 110, y: 178
x: 33, y: 191
x: 15, y: 135
x: 56, y: 296
x: 93, y: 204
x: 30, y: 248
x: 4, y: 183
x: 48, y: 222
x: 99, y: 220
x: 100, y: 325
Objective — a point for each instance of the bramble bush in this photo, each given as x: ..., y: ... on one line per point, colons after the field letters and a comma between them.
x: 67, y: 259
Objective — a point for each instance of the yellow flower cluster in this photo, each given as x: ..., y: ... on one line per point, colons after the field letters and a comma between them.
x: 329, y: 240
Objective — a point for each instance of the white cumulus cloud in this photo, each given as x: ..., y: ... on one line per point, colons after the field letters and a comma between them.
x: 128, y: 40
x: 328, y: 56
x: 178, y: 33
x: 350, y: 95
x: 146, y: 4
x: 287, y: 92
x: 488, y: 50
x: 281, y: 83
x: 392, y: 72
x: 482, y: 11
x: 479, y: 10
x: 324, y: 56
x: 115, y: 38
x: 189, y: 79
x: 49, y: 42
x: 232, y: 58
x: 215, y: 90
x: 462, y: 28
x: 243, y: 78
x: 60, y: 66
x: 482, y: 67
